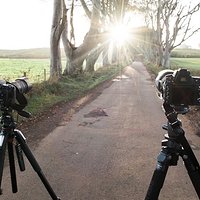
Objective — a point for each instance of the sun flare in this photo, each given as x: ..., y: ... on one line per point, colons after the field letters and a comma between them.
x: 119, y: 34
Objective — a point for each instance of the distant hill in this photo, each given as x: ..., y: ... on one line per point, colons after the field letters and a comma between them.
x: 44, y: 53
x: 38, y: 53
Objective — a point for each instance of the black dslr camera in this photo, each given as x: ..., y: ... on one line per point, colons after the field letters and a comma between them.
x: 12, y: 95
x: 178, y: 87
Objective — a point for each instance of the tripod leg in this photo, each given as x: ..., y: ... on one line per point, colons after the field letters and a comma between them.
x: 20, y: 139
x: 194, y: 174
x: 12, y: 165
x: 3, y: 141
x: 158, y: 177
x: 191, y: 165
x: 20, y: 157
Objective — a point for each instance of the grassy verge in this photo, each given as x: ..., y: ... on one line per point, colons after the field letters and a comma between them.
x: 44, y: 95
x: 153, y: 69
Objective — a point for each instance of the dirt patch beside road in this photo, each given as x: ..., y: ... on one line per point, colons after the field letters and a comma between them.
x: 193, y: 116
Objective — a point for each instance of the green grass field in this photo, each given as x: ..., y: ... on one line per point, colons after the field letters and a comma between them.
x: 37, y: 70
x: 190, y: 63
x: 35, y: 63
x: 186, y: 58
x: 33, y: 68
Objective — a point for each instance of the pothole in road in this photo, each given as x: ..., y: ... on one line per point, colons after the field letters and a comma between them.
x: 98, y: 112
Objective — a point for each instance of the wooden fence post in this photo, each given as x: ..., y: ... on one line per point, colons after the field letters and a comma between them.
x: 45, y: 75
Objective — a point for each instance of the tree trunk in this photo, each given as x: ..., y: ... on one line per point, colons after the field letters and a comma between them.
x: 166, y: 60
x: 90, y: 62
x: 105, y: 55
x: 74, y: 66
x: 114, y: 54
x: 159, y: 35
x: 55, y: 62
x: 92, y: 58
x: 56, y: 30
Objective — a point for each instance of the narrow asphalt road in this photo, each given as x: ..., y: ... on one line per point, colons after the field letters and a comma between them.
x: 109, y: 157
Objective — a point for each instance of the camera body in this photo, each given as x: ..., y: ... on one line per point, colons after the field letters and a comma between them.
x: 7, y: 95
x: 179, y: 87
x: 12, y: 94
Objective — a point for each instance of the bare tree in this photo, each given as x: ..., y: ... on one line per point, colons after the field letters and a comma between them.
x: 76, y: 55
x: 172, y: 25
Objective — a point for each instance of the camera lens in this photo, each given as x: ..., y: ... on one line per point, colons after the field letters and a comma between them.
x: 161, y: 78
x: 22, y: 85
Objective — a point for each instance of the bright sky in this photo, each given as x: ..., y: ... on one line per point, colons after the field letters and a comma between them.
x: 27, y: 24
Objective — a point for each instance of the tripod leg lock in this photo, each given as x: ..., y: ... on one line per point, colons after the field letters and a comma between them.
x: 166, y: 158
x: 162, y: 159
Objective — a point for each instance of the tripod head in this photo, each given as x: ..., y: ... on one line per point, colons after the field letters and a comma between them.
x: 174, y: 125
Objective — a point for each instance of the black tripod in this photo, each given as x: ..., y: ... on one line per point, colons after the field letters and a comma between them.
x: 9, y: 136
x: 174, y: 145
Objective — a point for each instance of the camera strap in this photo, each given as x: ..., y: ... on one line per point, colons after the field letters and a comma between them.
x: 22, y: 102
